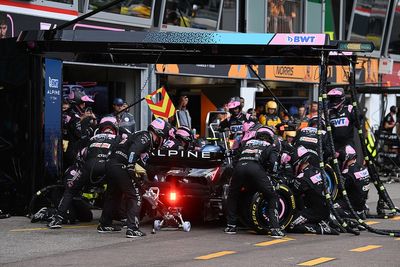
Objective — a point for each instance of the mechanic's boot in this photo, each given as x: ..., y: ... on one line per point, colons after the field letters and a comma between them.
x: 39, y: 216
x: 108, y: 228
x: 56, y: 222
x: 277, y: 233
x: 132, y: 233
x: 230, y: 229
x: 326, y: 229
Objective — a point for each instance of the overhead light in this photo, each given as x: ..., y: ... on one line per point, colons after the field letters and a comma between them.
x: 356, y: 47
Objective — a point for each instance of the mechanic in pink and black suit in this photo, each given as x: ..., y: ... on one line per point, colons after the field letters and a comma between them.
x: 342, y: 118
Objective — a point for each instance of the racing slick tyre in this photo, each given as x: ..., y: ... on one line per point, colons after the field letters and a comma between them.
x: 253, y: 211
x: 333, y: 181
x: 286, y: 208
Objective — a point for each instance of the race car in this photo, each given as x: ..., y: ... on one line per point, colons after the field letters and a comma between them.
x: 194, y: 181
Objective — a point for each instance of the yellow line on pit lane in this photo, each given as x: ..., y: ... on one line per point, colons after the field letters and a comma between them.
x: 45, y: 228
x: 273, y: 242
x: 397, y: 238
x: 371, y: 222
x: 396, y: 218
x: 215, y: 255
x: 316, y: 261
x: 366, y: 248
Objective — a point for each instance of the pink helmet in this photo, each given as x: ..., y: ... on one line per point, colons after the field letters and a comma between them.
x: 265, y: 133
x: 303, y: 155
x: 247, y: 125
x: 249, y: 135
x: 347, y: 153
x: 160, y: 127
x: 108, y: 123
x: 336, y: 97
x: 184, y: 133
x: 233, y: 104
x: 77, y: 97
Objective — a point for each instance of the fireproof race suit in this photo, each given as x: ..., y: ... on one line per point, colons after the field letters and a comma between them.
x: 342, y: 121
x: 93, y: 167
x: 309, y: 191
x: 357, y: 181
x: 286, y: 171
x: 120, y: 174
x: 77, y: 132
x: 234, y: 124
x: 256, y: 158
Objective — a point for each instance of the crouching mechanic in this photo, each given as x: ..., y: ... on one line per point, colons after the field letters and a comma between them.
x: 357, y: 181
x: 94, y: 166
x: 257, y: 158
x: 308, y: 187
x: 122, y: 178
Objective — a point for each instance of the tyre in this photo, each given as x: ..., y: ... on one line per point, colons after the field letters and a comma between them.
x: 258, y: 210
x: 333, y: 181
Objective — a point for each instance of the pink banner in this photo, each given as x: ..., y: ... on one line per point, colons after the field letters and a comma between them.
x: 299, y: 39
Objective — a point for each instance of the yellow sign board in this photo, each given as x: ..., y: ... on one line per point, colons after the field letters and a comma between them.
x: 292, y: 73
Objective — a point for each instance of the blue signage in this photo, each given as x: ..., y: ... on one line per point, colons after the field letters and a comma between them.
x: 52, y: 117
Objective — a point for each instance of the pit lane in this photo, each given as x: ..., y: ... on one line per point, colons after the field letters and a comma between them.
x: 26, y: 244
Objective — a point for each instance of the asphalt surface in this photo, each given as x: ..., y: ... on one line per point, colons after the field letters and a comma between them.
x: 26, y: 244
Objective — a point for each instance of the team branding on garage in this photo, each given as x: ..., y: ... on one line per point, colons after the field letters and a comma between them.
x: 302, y: 39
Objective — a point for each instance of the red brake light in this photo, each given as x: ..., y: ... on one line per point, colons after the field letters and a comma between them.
x: 172, y: 196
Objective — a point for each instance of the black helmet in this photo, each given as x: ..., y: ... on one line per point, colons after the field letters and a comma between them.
x: 313, y: 122
x: 160, y: 127
x: 336, y: 97
x: 108, y: 123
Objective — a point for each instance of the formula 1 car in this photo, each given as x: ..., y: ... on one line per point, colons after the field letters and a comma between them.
x: 198, y: 185
x: 192, y: 181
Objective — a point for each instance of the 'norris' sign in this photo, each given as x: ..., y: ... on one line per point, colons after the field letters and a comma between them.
x: 292, y: 72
